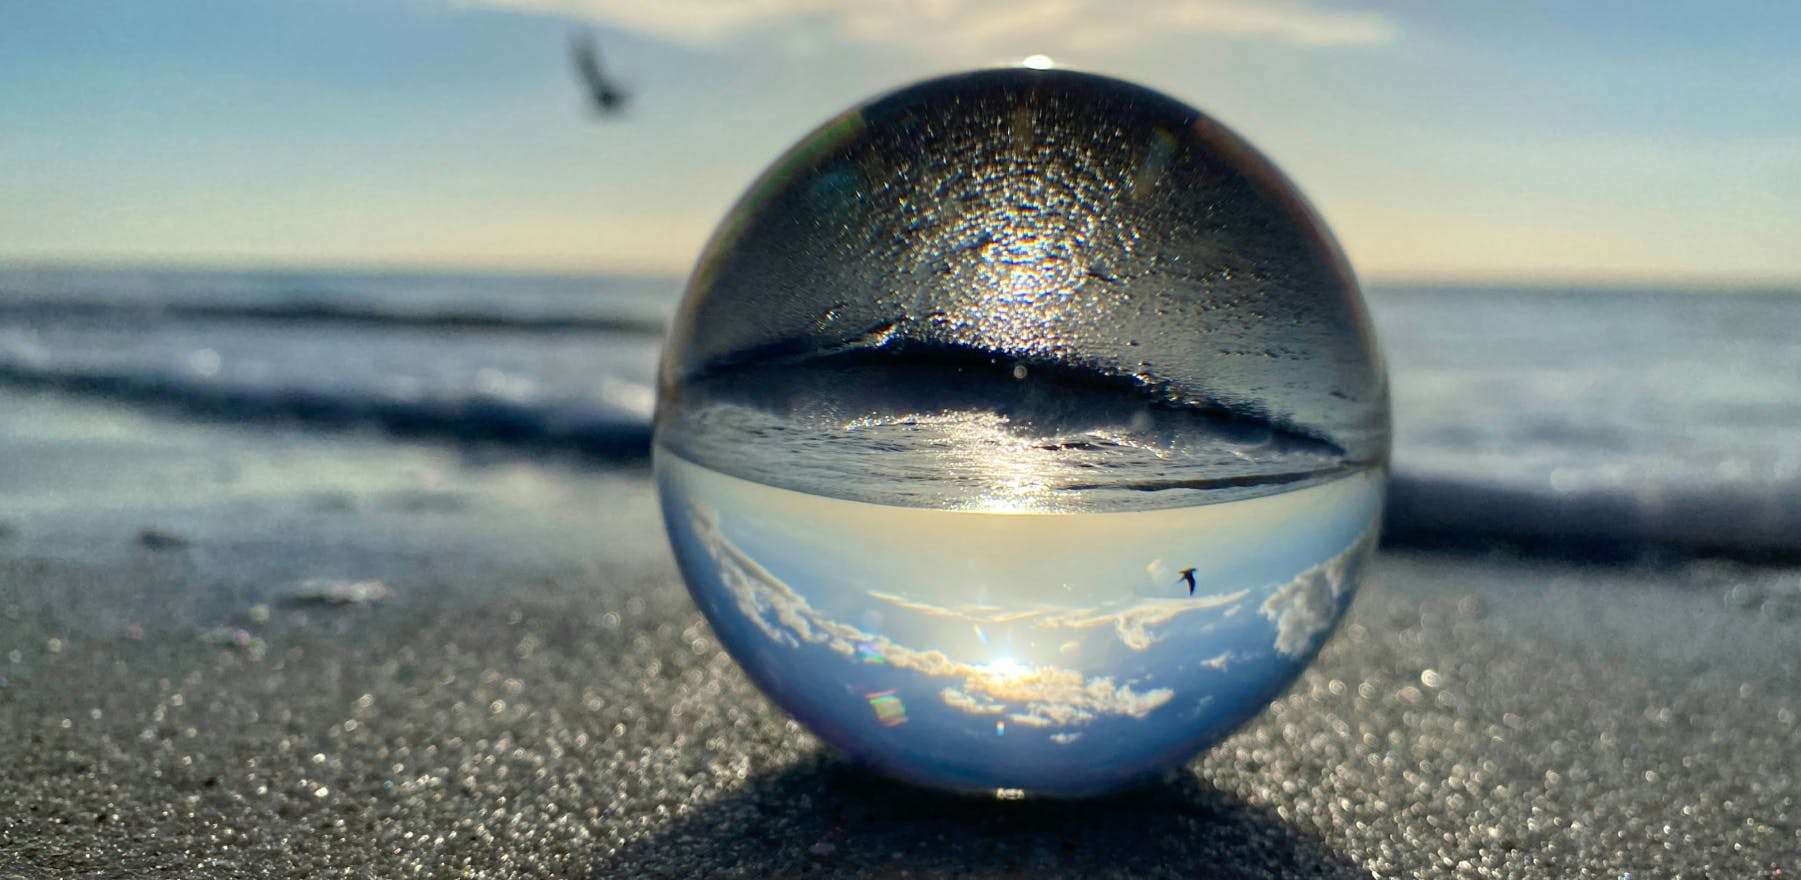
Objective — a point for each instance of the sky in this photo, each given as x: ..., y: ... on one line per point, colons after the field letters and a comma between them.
x: 1015, y: 637
x: 1612, y: 140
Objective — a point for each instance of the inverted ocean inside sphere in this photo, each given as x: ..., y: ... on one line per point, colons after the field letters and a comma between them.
x: 1022, y: 430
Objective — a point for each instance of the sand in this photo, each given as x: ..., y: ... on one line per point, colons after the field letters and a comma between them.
x: 531, y: 693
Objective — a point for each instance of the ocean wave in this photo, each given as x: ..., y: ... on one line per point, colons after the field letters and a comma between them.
x: 592, y: 428
x: 1634, y: 504
x: 330, y: 313
x: 1759, y: 518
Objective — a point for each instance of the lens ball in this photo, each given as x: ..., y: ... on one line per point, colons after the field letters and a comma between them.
x: 1022, y: 429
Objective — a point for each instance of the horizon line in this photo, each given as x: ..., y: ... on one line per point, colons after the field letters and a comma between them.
x: 1567, y: 278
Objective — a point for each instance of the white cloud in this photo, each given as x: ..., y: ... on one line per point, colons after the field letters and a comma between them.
x: 1047, y: 696
x: 985, y: 30
x: 1304, y: 608
x: 1034, y: 696
x: 1133, y: 625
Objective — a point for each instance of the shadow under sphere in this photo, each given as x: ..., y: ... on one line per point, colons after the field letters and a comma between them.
x: 826, y: 817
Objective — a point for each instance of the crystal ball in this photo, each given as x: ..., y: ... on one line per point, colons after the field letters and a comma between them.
x: 1022, y: 430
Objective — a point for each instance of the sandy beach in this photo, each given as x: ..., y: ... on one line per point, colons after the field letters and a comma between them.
x: 588, y: 439
x: 530, y: 692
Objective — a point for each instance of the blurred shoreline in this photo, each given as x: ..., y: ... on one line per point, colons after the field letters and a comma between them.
x: 340, y: 650
x: 99, y: 502
x: 233, y: 518
x: 1611, y: 424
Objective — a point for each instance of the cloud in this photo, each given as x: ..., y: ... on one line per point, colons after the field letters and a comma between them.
x: 1200, y: 707
x: 1034, y: 696
x: 1220, y: 663
x: 1304, y: 608
x: 1133, y: 625
x: 963, y: 702
x: 984, y: 30
x: 1048, y: 696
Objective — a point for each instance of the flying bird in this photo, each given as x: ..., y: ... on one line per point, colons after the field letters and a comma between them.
x: 609, y: 99
x: 1188, y: 577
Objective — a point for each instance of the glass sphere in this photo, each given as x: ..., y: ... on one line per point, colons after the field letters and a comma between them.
x: 1022, y: 430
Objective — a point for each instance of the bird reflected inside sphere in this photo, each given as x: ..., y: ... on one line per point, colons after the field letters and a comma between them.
x: 1022, y: 429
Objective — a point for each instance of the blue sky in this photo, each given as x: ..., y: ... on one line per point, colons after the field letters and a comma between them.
x: 1020, y: 647
x: 1525, y: 140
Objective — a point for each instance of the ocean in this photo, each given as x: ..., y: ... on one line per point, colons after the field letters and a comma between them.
x: 1598, y: 421
x: 201, y: 471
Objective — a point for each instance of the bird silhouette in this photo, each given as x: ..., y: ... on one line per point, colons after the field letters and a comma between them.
x: 609, y: 99
x: 1188, y: 576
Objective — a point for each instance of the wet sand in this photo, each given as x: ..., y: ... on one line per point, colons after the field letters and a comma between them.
x: 534, y: 695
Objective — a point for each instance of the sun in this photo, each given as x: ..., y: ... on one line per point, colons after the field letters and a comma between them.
x: 1005, y: 669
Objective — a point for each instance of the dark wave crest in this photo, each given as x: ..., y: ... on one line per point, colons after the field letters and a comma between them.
x: 587, y: 429
x: 329, y: 313
x: 1755, y: 520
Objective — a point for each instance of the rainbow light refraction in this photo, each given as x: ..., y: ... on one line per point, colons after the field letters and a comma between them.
x: 889, y: 710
